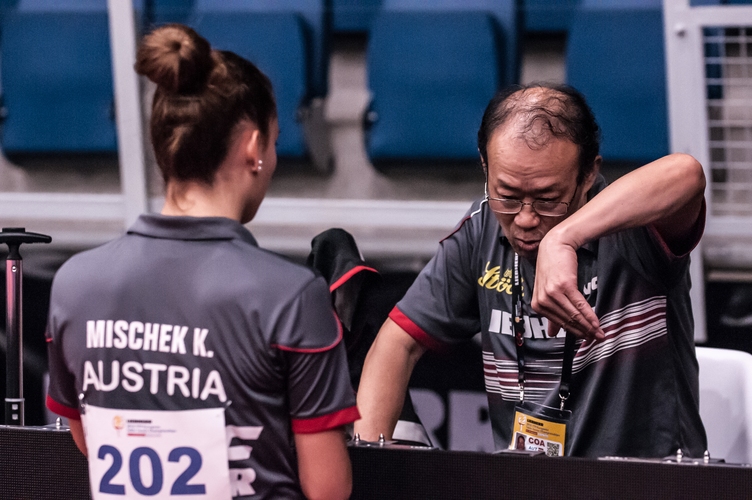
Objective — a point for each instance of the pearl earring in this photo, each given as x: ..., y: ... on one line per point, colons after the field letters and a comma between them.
x: 260, y: 163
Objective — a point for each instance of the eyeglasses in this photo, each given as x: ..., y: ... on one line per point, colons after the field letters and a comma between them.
x: 509, y: 206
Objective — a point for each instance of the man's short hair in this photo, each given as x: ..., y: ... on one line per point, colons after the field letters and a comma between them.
x: 546, y: 111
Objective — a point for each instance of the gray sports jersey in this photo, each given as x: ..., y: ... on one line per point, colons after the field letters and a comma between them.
x: 635, y: 393
x: 195, y: 299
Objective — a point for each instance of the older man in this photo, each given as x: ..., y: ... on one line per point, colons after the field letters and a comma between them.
x: 580, y: 292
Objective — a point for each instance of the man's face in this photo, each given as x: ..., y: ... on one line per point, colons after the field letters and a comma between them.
x: 547, y: 173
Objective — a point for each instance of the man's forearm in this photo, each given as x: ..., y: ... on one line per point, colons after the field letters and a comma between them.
x: 667, y: 193
x: 384, y: 381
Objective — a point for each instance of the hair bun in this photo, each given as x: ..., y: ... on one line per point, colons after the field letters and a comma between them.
x: 176, y: 58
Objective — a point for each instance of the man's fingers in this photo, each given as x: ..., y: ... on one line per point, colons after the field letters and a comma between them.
x: 575, y: 328
x: 576, y: 317
x: 585, y: 318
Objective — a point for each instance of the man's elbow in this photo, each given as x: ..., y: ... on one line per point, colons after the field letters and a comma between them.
x: 692, y: 173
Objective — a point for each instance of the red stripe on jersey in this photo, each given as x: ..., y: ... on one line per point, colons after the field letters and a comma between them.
x: 349, y: 274
x: 692, y: 238
x: 325, y: 422
x: 65, y: 411
x: 314, y: 349
x: 414, y: 330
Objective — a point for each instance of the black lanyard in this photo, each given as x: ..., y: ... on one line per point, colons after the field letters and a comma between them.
x: 519, y: 340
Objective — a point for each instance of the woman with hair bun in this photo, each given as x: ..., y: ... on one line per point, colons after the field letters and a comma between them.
x: 193, y: 361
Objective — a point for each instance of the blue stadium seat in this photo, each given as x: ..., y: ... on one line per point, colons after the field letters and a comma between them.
x: 354, y: 15
x: 431, y: 75
x: 8, y: 4
x: 276, y: 43
x: 615, y: 57
x: 318, y: 28
x: 57, y: 78
x: 549, y: 15
x: 504, y: 11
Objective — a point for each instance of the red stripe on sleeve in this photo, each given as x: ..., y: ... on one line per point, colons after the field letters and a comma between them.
x: 414, y: 330
x: 325, y: 422
x: 349, y: 274
x: 459, y: 226
x: 65, y: 411
x: 693, y: 238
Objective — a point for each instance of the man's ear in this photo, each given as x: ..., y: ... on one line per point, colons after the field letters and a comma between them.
x: 590, y: 178
x: 253, y: 150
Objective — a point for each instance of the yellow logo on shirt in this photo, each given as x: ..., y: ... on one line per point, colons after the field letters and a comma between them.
x: 493, y: 280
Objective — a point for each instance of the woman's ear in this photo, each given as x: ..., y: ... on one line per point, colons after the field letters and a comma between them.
x: 253, y: 151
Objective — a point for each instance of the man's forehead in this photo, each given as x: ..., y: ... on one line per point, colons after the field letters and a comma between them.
x: 514, y: 159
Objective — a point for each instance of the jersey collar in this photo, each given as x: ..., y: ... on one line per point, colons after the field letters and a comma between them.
x: 190, y: 228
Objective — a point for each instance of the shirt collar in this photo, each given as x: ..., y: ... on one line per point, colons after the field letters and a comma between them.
x: 190, y: 228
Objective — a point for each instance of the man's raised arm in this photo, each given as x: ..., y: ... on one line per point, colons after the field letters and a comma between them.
x: 383, y: 383
x: 667, y: 193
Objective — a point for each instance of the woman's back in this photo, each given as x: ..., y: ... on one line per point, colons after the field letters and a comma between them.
x: 185, y: 319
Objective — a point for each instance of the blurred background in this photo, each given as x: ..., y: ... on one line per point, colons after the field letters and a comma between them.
x: 379, y: 105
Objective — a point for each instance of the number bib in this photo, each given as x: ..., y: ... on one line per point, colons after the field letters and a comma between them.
x: 539, y: 428
x: 157, y: 454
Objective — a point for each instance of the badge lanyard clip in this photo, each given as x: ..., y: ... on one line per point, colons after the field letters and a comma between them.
x: 566, y: 369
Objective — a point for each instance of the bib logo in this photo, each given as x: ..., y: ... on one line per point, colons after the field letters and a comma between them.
x: 492, y: 279
x: 117, y: 422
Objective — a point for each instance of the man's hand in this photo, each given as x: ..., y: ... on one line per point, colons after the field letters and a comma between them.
x: 556, y: 295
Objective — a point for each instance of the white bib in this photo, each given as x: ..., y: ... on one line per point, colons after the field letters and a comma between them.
x: 157, y: 454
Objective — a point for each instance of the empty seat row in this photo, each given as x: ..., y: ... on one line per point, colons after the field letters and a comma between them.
x: 432, y: 67
x: 57, y: 72
x: 614, y: 55
x: 537, y: 15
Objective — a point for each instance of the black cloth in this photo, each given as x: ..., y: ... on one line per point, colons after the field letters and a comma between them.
x: 358, y: 298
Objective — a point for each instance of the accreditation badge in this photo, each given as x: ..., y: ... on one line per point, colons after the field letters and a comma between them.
x: 157, y: 454
x: 539, y: 428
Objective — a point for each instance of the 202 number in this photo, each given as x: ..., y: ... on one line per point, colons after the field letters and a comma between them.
x: 179, y: 487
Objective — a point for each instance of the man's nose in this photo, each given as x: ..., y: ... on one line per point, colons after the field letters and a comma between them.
x: 527, y: 217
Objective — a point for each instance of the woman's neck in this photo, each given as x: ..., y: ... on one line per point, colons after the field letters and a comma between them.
x: 195, y: 199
